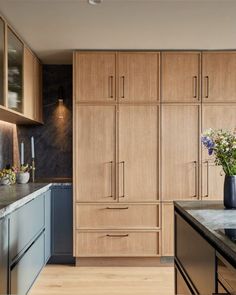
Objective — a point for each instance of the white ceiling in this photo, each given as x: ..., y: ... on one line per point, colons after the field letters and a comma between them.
x: 53, y: 28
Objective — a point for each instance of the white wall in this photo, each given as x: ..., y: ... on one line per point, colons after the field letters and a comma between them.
x: 52, y: 27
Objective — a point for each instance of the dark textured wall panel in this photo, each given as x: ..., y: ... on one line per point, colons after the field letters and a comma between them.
x: 6, y: 144
x: 53, y: 140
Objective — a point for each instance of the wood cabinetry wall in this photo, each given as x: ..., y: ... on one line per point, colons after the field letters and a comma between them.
x: 138, y: 117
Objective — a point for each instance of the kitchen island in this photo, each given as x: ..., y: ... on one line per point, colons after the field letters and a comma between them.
x: 205, y: 248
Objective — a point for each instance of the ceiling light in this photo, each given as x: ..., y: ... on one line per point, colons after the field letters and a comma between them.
x: 94, y: 2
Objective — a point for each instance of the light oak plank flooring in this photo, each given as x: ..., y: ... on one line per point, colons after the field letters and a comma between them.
x: 69, y: 280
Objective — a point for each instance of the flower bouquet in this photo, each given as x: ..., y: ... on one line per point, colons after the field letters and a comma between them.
x: 22, y: 174
x: 7, y: 176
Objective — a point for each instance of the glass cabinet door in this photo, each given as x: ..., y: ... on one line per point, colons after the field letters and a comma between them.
x: 15, y: 72
x: 2, y: 43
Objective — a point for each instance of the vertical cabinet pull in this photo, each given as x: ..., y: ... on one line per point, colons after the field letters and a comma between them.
x: 111, y: 183
x: 195, y: 87
x: 206, y: 86
x: 207, y: 175
x: 110, y: 87
x: 123, y: 86
x: 123, y: 165
x: 196, y: 179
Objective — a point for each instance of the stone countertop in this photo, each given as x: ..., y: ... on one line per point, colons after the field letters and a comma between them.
x: 14, y: 196
x: 208, y: 217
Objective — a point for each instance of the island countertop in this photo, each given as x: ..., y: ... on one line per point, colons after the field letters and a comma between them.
x: 207, y: 217
x: 14, y: 196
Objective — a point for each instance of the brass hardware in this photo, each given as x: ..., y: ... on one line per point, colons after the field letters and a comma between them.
x: 207, y: 86
x: 123, y: 86
x: 117, y: 208
x: 207, y: 194
x: 196, y: 179
x: 117, y: 236
x: 195, y: 87
x: 110, y: 86
x: 33, y: 170
x: 123, y: 164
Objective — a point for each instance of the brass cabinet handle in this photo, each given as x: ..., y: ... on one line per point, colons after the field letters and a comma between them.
x: 123, y: 86
x: 110, y: 87
x: 196, y: 179
x: 123, y: 164
x: 207, y: 87
x: 208, y: 171
x: 117, y: 208
x: 117, y: 236
x: 195, y: 87
x: 111, y: 187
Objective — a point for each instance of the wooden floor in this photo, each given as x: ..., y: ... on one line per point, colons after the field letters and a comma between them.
x: 69, y: 280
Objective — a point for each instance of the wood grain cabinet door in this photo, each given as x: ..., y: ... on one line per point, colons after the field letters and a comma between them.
x: 29, y: 94
x: 180, y: 149
x: 167, y: 229
x: 95, y: 153
x: 216, y: 117
x: 138, y: 79
x: 95, y: 76
x: 180, y: 76
x: 138, y: 153
x: 218, y: 76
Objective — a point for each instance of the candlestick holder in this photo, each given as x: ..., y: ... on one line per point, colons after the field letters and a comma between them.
x: 33, y: 170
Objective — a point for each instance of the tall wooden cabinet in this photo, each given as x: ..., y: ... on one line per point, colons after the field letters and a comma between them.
x: 116, y: 154
x: 138, y: 117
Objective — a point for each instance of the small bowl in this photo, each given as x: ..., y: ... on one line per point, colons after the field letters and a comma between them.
x: 22, y: 177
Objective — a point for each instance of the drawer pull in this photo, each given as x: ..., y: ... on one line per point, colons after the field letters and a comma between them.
x: 117, y: 236
x: 117, y: 208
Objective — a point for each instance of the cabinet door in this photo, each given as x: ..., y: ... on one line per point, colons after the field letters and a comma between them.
x: 167, y: 229
x: 95, y: 76
x: 138, y: 76
x: 47, y: 225
x: 95, y: 153
x: 219, y: 75
x: 138, y: 153
x: 180, y: 149
x: 2, y: 60
x: 15, y: 72
x: 180, y: 76
x: 38, y: 111
x: 216, y: 117
x: 3, y: 256
x: 29, y: 94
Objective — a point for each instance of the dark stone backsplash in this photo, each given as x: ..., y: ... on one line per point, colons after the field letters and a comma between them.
x: 53, y: 140
x: 6, y: 144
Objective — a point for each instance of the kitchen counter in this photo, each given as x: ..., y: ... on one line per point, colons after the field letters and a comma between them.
x: 14, y: 196
x: 207, y: 217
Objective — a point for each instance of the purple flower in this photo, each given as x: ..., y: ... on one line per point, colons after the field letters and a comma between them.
x: 210, y: 152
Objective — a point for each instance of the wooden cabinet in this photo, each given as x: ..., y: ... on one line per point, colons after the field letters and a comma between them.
x: 95, y: 76
x: 29, y: 93
x: 138, y: 153
x: 138, y: 78
x: 218, y: 76
x: 95, y: 161
x: 115, y: 244
x: 180, y: 76
x: 38, y: 88
x: 216, y: 117
x: 167, y: 229
x: 115, y: 216
x: 180, y: 148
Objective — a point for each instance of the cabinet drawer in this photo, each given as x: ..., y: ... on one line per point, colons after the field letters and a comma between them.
x: 25, y: 224
x: 117, y: 216
x: 27, y: 269
x: 117, y: 244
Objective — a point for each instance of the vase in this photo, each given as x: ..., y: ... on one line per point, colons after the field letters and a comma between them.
x: 22, y: 177
x: 230, y: 192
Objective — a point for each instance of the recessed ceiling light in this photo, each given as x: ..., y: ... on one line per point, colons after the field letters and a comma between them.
x: 94, y: 2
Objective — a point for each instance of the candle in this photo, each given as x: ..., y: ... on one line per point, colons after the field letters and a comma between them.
x: 22, y: 153
x: 32, y: 147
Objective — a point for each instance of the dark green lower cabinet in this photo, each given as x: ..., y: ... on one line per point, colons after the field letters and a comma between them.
x: 3, y: 256
x: 24, y: 273
x: 47, y: 225
x: 62, y: 225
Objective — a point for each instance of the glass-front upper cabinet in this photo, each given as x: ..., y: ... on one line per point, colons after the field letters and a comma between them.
x: 2, y: 50
x: 15, y: 72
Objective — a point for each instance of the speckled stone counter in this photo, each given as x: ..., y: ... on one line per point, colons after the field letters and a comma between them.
x: 14, y: 196
x: 207, y: 217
